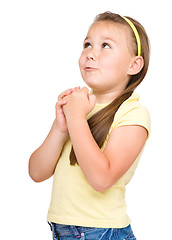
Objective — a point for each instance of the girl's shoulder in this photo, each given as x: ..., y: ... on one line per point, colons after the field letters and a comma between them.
x: 131, y: 103
x: 132, y: 112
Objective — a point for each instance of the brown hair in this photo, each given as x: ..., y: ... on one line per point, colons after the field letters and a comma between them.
x: 100, y: 122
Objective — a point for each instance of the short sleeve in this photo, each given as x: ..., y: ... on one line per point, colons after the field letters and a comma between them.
x: 135, y: 116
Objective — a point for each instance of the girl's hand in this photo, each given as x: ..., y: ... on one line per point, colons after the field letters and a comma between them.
x: 78, y: 104
x: 60, y: 117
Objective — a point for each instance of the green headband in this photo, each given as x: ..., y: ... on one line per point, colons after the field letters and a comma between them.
x: 136, y: 35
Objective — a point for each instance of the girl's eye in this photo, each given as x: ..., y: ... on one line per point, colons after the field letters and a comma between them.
x: 106, y: 45
x: 87, y: 45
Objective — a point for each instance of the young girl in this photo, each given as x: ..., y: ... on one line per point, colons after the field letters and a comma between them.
x: 96, y: 140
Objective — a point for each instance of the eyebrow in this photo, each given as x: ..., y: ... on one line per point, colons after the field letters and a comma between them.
x: 104, y: 39
x: 86, y: 38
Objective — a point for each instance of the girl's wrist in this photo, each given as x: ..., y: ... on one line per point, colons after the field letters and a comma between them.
x: 59, y: 132
x: 76, y: 123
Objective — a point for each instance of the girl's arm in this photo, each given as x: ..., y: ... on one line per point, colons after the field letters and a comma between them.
x: 43, y: 161
x: 102, y: 169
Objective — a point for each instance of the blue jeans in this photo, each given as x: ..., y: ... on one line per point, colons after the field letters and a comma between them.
x: 66, y: 232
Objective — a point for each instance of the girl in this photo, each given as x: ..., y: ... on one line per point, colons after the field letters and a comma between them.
x: 96, y: 140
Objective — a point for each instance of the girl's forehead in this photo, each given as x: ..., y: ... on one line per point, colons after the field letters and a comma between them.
x: 107, y: 29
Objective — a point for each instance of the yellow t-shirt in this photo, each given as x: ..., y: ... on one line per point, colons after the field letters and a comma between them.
x: 74, y: 201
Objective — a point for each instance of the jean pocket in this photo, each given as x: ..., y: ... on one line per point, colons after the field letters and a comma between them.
x: 54, y: 233
x: 96, y: 233
x: 126, y: 234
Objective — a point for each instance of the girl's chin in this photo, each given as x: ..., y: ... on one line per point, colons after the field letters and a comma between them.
x: 91, y: 83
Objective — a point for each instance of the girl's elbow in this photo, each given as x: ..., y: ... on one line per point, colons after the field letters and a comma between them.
x: 35, y: 177
x: 102, y: 185
x: 38, y: 176
x: 100, y: 188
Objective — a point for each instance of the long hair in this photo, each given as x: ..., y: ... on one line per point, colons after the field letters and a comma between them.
x: 101, y: 121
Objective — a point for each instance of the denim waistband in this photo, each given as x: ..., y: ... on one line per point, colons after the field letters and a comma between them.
x: 66, y: 229
x: 79, y: 232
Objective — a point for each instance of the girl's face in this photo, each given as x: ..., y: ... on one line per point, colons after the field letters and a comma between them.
x: 106, y: 58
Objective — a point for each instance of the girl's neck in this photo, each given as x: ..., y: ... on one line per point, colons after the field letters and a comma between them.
x: 105, y: 97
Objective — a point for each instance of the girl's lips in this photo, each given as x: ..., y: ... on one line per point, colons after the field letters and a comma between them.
x: 90, y: 69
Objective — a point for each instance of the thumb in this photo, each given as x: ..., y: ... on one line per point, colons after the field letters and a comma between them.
x: 92, y: 99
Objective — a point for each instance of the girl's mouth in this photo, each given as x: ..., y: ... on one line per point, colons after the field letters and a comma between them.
x: 90, y: 69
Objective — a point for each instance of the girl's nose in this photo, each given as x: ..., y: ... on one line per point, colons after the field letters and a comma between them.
x: 91, y: 55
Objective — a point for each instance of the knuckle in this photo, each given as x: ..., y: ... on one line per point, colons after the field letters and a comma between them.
x: 85, y: 89
x: 57, y: 104
x: 65, y: 93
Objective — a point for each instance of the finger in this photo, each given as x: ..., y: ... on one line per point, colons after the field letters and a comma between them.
x: 85, y: 89
x: 75, y: 89
x: 60, y: 103
x: 65, y: 93
x: 92, y: 99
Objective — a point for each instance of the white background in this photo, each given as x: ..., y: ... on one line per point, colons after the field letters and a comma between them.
x: 40, y: 43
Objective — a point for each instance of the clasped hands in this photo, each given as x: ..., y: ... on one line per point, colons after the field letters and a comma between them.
x: 75, y: 103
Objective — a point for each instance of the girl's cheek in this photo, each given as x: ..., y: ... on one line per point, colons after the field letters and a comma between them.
x: 80, y: 61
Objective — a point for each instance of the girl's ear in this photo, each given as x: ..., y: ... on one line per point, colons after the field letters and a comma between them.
x: 136, y: 65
